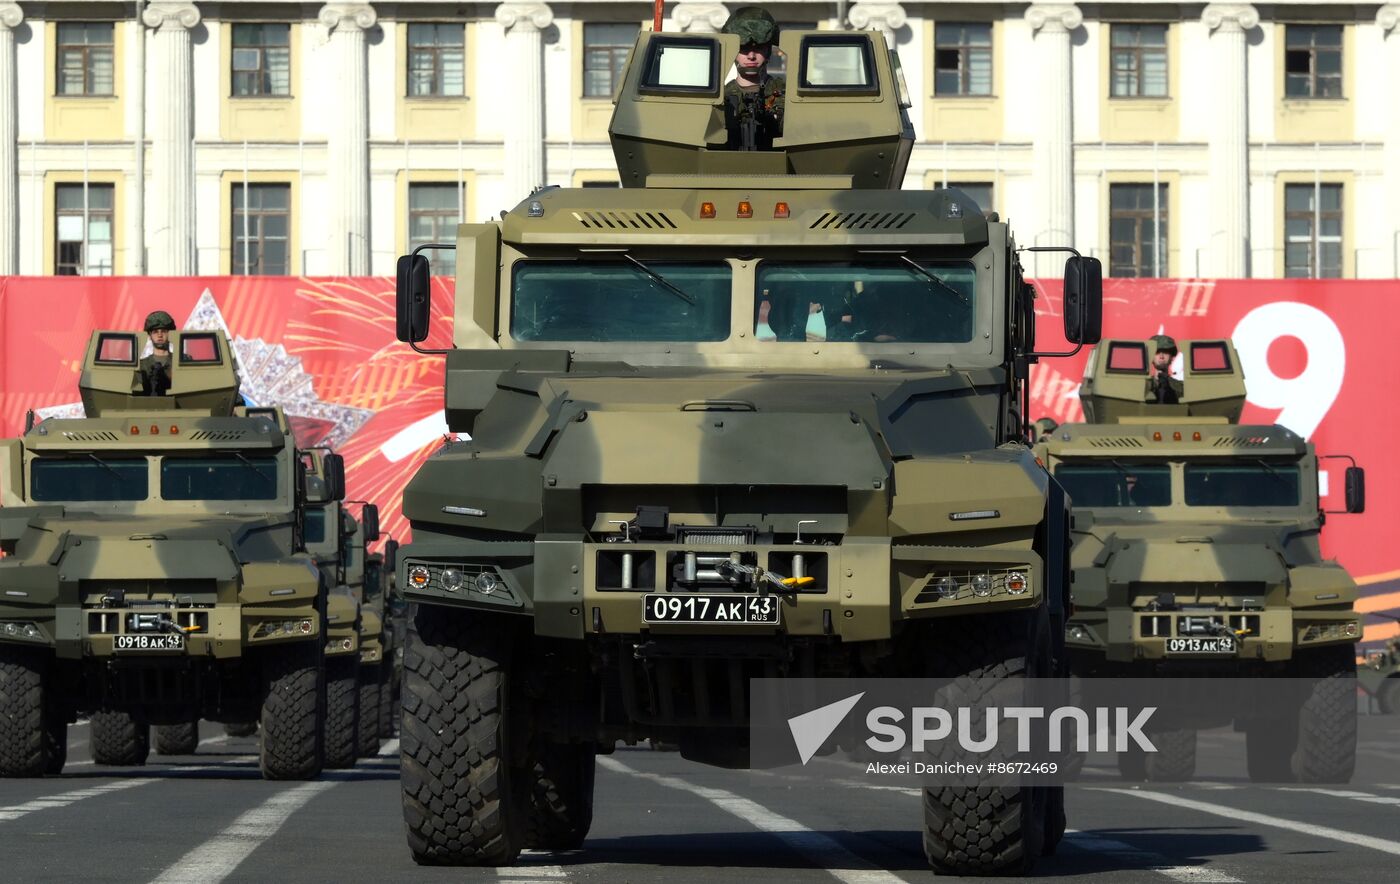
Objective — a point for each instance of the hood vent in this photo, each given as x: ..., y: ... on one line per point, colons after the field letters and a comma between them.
x: 1116, y: 442
x: 1242, y: 442
x: 217, y: 435
x: 95, y: 436
x: 611, y: 220
x: 862, y: 220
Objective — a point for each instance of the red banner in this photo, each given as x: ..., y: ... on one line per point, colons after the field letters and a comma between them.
x: 1315, y: 353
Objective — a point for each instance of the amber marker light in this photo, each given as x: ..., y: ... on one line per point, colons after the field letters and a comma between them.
x: 155, y: 430
x: 1196, y: 436
x: 745, y: 209
x: 781, y: 211
x: 174, y: 430
x: 707, y: 210
x: 135, y: 430
x: 1157, y: 436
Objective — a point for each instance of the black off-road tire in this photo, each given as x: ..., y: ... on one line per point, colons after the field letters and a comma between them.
x: 241, y: 728
x: 1388, y: 696
x: 367, y: 743
x: 1175, y: 758
x: 23, y: 745
x: 988, y: 830
x: 342, y: 711
x: 560, y: 811
x: 388, y: 701
x: 118, y: 741
x: 177, y: 739
x: 462, y: 795
x: 55, y: 741
x: 1326, y: 751
x: 292, y: 722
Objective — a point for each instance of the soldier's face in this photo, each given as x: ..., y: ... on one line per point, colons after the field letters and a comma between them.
x: 1162, y: 360
x: 752, y: 56
x: 160, y: 338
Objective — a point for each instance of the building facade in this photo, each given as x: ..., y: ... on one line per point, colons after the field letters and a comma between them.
x: 1220, y: 140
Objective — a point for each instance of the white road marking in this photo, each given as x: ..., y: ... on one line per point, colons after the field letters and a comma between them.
x: 823, y: 851
x: 1178, y: 802
x: 64, y: 799
x: 1146, y: 859
x: 217, y: 858
x: 1345, y: 793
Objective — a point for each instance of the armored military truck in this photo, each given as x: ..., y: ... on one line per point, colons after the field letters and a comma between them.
x: 154, y: 570
x: 753, y: 413
x: 1196, y: 551
x: 1379, y: 675
x: 381, y: 648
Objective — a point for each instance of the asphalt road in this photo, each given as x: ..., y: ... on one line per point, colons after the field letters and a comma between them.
x: 658, y: 818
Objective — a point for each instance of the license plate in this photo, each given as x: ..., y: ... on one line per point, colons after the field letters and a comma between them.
x: 171, y: 642
x: 1215, y: 645
x: 687, y: 608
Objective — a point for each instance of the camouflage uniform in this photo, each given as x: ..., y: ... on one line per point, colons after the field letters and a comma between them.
x: 1164, y: 389
x: 759, y: 106
x: 155, y: 368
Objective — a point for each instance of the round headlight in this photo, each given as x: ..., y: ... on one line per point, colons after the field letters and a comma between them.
x: 487, y: 583
x: 947, y: 587
x: 419, y: 576
x: 1016, y: 583
x: 982, y: 585
x: 451, y: 579
x: 11, y: 629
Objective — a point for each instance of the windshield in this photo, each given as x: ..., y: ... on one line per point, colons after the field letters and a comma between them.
x: 218, y: 478
x: 314, y: 529
x: 1117, y: 484
x: 621, y: 300
x: 1241, y: 485
x: 876, y: 302
x: 89, y: 479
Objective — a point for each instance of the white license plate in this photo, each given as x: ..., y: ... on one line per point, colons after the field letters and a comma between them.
x: 1220, y: 644
x: 170, y: 642
x: 676, y: 607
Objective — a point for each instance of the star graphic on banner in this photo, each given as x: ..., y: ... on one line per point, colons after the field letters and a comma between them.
x: 270, y: 376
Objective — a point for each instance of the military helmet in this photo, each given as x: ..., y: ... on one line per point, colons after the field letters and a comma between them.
x: 1046, y: 425
x: 159, y: 319
x: 1164, y: 344
x: 753, y: 24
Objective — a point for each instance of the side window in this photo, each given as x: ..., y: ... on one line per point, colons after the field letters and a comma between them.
x: 116, y: 349
x: 1210, y: 356
x: 837, y: 64
x: 199, y: 349
x: 1127, y: 357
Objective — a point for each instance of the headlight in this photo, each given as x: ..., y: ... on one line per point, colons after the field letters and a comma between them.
x: 982, y: 585
x: 419, y: 576
x: 947, y: 587
x: 451, y: 579
x: 487, y: 583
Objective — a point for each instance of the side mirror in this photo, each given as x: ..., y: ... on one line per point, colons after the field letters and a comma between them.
x: 412, y: 298
x: 369, y: 518
x: 1356, y: 490
x: 1083, y: 301
x: 334, y: 466
x: 391, y: 556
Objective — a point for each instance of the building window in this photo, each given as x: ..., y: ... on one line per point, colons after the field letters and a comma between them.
x: 262, y: 59
x: 83, y: 238
x: 1139, y: 61
x: 262, y: 221
x: 437, y: 61
x: 605, y: 48
x: 980, y: 191
x: 434, y: 211
x: 962, y: 59
x: 85, y: 65
x: 1312, y: 229
x: 1137, y: 228
x: 1312, y: 61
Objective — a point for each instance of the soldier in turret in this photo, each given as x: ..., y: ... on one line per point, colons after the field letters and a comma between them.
x: 753, y: 100
x: 155, y: 368
x: 1164, y: 389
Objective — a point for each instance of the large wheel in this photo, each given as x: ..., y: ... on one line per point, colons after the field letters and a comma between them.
x: 342, y: 710
x: 560, y: 811
x: 23, y: 745
x: 293, y: 713
x: 1388, y: 696
x: 989, y: 830
x: 388, y: 701
x: 241, y: 728
x: 1175, y: 758
x: 117, y: 739
x: 367, y: 741
x: 461, y: 798
x: 177, y: 739
x: 55, y: 739
x: 1326, y: 751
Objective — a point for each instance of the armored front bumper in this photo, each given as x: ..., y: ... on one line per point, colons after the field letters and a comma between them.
x: 1268, y: 635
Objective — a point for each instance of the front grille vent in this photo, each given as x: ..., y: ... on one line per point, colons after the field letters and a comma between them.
x: 612, y: 220
x: 94, y: 436
x: 1116, y: 442
x: 1241, y: 441
x: 217, y: 435
x: 862, y: 220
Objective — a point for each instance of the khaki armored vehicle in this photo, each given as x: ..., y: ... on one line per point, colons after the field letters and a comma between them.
x: 376, y: 642
x: 154, y: 571
x: 1196, y: 551
x: 1379, y: 675
x: 753, y: 413
x: 382, y: 654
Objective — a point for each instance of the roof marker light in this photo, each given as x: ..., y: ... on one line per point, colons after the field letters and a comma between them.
x: 707, y: 210
x: 781, y: 211
x: 155, y: 430
x: 745, y: 209
x: 1176, y: 437
x: 1196, y: 436
x: 135, y: 430
x: 1157, y: 436
x: 174, y: 430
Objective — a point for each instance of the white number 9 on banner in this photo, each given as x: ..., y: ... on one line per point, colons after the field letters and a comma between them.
x: 1304, y: 400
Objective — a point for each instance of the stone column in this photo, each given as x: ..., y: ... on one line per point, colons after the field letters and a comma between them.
x: 172, y: 136
x: 877, y: 15
x: 347, y: 142
x: 699, y: 17
x: 524, y: 136
x: 1228, y: 246
x: 1388, y: 20
x: 1052, y: 147
x: 10, y: 17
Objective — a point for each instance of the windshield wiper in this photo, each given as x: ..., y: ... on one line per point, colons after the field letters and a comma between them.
x: 661, y: 280
x: 248, y: 463
x: 102, y: 463
x: 933, y: 278
x: 1271, y: 471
